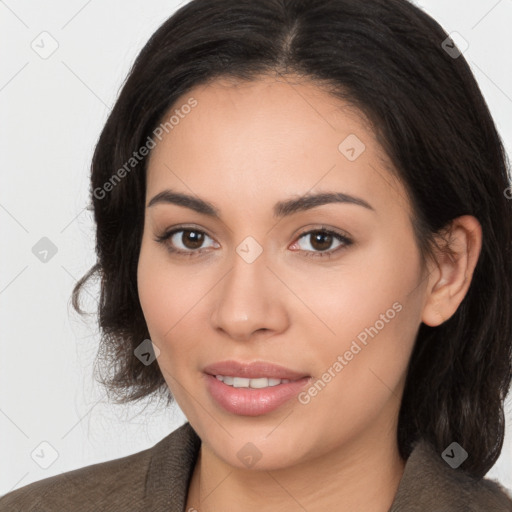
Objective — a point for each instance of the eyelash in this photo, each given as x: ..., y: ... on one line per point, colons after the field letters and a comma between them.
x: 315, y: 254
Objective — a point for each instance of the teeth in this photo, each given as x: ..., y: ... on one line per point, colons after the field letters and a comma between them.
x: 241, y: 382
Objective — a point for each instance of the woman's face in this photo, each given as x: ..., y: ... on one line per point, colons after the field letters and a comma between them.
x: 332, y: 290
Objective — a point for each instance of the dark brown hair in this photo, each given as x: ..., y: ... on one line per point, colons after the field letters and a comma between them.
x: 390, y: 60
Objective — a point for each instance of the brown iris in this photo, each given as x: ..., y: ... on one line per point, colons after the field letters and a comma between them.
x: 324, y: 240
x: 196, y: 238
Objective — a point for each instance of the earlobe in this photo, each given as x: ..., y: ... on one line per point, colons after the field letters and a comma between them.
x: 454, y: 266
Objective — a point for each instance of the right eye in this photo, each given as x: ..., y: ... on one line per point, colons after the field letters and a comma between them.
x: 188, y: 240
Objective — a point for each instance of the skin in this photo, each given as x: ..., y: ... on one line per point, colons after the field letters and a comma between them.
x: 243, y: 148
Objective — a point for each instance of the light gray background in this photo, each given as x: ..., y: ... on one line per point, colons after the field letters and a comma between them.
x: 52, y: 112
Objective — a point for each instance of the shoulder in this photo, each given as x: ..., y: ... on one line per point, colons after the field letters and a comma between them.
x: 121, y: 477
x: 127, y: 483
x: 429, y: 483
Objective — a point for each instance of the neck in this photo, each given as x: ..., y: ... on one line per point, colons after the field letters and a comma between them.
x: 362, y: 476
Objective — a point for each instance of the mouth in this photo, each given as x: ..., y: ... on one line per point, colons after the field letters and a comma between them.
x: 252, y: 389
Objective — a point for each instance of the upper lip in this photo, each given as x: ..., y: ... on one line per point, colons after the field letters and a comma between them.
x: 253, y: 370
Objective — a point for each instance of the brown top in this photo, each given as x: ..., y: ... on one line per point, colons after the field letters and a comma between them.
x: 157, y: 480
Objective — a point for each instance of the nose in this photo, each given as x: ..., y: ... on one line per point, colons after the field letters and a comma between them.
x: 249, y: 302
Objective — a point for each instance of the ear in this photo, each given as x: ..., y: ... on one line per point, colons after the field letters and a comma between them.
x: 453, y: 269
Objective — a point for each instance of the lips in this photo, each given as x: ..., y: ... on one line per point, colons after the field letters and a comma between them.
x: 252, y: 402
x: 253, y: 370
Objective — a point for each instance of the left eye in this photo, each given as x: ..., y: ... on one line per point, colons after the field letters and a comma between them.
x: 321, y: 241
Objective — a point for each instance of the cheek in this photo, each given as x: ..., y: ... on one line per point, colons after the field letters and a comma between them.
x: 360, y: 373
x: 367, y: 285
x: 163, y: 307
x: 150, y: 287
x: 375, y: 316
x: 161, y: 291
x: 170, y: 299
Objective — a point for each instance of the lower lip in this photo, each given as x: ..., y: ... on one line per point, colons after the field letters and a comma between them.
x: 253, y: 402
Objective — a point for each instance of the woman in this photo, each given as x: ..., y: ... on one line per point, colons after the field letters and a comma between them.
x: 303, y: 236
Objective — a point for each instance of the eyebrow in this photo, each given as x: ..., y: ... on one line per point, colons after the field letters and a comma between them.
x: 281, y: 209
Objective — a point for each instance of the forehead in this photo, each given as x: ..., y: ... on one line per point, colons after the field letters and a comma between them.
x: 271, y: 137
